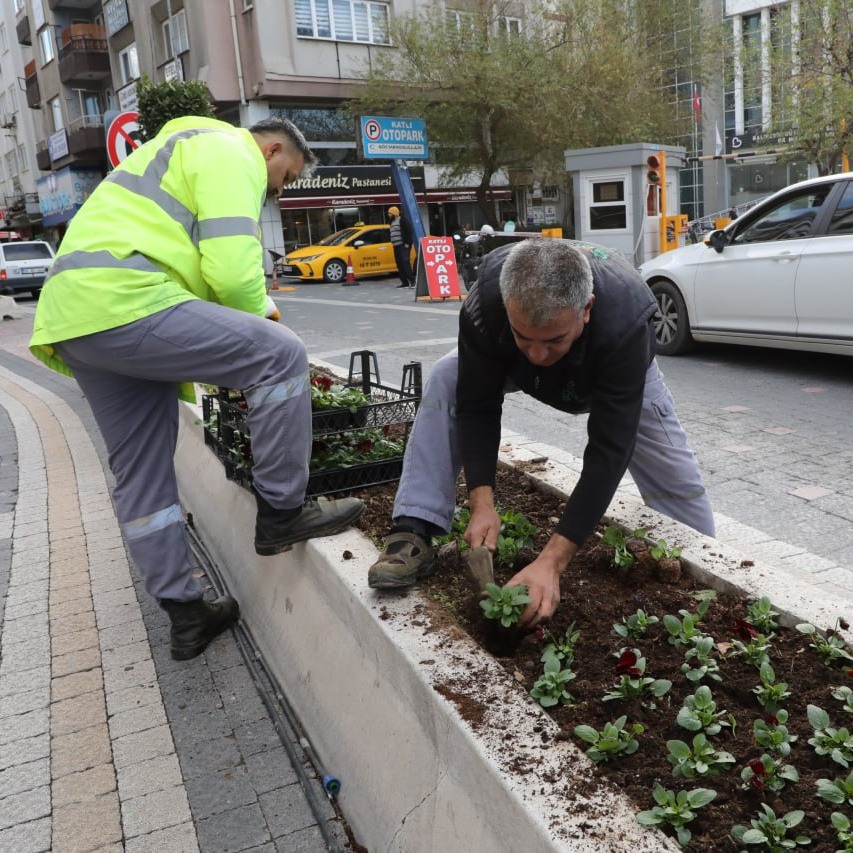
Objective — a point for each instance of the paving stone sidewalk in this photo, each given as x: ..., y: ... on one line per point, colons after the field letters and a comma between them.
x: 105, y: 742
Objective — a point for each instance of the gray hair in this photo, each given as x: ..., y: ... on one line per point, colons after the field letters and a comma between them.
x: 277, y: 126
x: 544, y: 276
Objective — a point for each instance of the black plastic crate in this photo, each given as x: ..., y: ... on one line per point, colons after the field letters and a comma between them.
x: 227, y: 433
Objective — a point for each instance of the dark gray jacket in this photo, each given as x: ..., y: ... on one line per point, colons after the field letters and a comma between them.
x: 603, y: 374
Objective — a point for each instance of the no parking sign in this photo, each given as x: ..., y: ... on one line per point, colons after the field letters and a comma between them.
x: 122, y: 137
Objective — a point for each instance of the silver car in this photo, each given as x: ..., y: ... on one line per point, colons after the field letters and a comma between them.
x: 779, y: 276
x: 24, y: 265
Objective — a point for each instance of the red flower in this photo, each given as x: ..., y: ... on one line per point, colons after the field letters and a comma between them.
x: 850, y: 672
x: 626, y: 664
x: 756, y: 783
x: 756, y: 765
x: 364, y: 446
x: 539, y: 634
x: 771, y: 720
x: 744, y: 630
x: 324, y: 383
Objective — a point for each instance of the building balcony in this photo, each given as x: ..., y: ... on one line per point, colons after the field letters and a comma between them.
x: 22, y: 28
x: 72, y: 5
x: 84, y: 54
x: 31, y: 83
x: 82, y: 143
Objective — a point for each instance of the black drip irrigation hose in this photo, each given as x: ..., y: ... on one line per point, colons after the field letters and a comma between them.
x: 281, y: 713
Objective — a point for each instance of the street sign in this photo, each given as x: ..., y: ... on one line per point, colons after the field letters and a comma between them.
x: 392, y: 138
x: 437, y: 275
x: 122, y: 137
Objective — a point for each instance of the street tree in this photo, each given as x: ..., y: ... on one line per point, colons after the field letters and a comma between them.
x: 510, y: 86
x: 807, y: 68
x: 161, y: 102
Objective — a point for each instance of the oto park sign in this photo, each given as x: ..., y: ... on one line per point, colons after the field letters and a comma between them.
x: 392, y: 138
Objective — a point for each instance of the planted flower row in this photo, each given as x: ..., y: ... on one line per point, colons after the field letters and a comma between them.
x: 765, y: 774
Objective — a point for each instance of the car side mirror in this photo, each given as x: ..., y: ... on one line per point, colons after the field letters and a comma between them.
x: 358, y: 244
x: 716, y: 240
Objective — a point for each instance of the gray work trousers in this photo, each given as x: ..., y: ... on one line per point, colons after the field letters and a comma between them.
x: 129, y: 376
x: 663, y: 465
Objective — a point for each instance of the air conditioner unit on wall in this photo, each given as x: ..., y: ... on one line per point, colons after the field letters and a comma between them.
x: 8, y: 120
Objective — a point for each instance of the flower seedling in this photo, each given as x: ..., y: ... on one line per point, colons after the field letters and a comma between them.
x: 837, y: 791
x: 832, y: 648
x: 768, y: 774
x: 516, y: 532
x: 699, y: 713
x: 760, y: 614
x: 505, y: 603
x: 771, y: 832
x: 772, y: 734
x: 845, y: 695
x: 634, y: 627
x: 662, y: 551
x: 612, y: 741
x: 328, y: 394
x: 698, y: 661
x: 683, y: 631
x: 827, y: 740
x: 633, y: 683
x: 700, y: 760
x: 550, y: 688
x: 755, y: 650
x: 676, y: 810
x: 618, y: 540
x: 770, y: 693
x: 563, y: 647
x: 841, y: 824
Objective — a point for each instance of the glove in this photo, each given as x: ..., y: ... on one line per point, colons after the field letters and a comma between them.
x: 272, y: 310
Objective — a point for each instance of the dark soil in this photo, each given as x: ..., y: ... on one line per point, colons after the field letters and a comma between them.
x: 595, y: 595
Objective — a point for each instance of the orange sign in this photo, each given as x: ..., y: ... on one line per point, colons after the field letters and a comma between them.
x: 438, y: 277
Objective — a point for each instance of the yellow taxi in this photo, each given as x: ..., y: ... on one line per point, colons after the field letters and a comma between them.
x: 368, y: 247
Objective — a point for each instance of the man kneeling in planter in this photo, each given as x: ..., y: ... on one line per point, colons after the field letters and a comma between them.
x: 160, y: 281
x: 570, y: 324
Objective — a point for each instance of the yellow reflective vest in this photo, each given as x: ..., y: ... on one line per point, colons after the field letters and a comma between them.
x: 177, y: 220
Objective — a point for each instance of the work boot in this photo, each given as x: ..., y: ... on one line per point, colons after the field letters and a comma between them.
x: 278, y: 530
x: 406, y: 558
x: 196, y: 623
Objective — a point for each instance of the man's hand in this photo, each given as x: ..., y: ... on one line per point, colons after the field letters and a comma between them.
x: 485, y: 523
x: 272, y: 310
x: 542, y: 578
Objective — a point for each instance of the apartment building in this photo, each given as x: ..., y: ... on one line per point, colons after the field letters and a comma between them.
x: 74, y: 65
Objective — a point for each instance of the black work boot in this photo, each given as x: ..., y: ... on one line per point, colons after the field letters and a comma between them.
x: 278, y: 530
x: 196, y: 623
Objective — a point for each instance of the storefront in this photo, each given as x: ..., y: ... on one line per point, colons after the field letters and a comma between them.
x: 336, y: 197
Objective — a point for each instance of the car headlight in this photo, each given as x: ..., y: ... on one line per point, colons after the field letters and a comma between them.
x: 304, y: 259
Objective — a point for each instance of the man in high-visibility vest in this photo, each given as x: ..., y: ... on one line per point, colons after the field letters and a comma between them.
x: 159, y: 281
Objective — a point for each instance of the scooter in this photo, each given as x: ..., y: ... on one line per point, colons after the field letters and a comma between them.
x: 470, y: 254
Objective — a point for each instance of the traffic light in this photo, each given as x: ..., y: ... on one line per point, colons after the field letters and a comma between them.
x: 654, y: 162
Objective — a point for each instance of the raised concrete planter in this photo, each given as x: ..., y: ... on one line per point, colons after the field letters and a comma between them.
x: 362, y: 671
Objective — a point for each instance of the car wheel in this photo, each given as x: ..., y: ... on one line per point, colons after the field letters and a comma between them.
x: 672, y: 326
x: 334, y: 271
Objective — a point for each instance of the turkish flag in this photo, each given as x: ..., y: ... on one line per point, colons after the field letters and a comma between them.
x: 697, y: 103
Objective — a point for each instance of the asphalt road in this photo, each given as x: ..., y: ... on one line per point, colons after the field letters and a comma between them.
x: 771, y: 428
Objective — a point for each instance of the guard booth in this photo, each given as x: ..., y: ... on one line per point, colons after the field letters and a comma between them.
x: 626, y: 197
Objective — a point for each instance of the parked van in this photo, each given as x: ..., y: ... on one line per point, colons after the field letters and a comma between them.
x: 24, y: 265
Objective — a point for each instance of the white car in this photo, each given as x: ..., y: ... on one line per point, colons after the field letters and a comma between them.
x: 779, y: 276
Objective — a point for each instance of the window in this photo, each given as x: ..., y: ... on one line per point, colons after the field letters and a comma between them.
x: 608, y: 211
x: 462, y: 22
x: 12, y: 162
x: 22, y: 158
x: 509, y: 26
x: 4, y: 44
x: 128, y: 64
x: 791, y: 219
x: 55, y: 108
x: 175, y: 37
x: 46, y: 42
x: 343, y: 20
x: 842, y: 217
